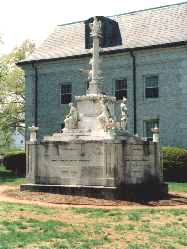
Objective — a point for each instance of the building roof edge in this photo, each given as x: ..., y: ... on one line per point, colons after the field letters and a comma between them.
x: 166, y: 45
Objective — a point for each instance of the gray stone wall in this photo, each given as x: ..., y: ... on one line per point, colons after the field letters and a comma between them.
x: 170, y: 108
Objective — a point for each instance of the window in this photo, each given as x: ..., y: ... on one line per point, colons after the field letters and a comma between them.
x: 87, y: 85
x: 62, y: 126
x: 21, y: 141
x: 120, y: 89
x: 151, y: 87
x: 148, y: 125
x: 65, y: 93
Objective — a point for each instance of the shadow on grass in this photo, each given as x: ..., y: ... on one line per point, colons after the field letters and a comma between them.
x: 168, y: 200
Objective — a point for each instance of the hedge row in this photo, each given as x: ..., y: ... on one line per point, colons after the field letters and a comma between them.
x: 175, y: 164
x: 174, y: 158
x: 15, y: 161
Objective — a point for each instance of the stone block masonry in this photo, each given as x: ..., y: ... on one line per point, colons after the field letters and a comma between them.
x: 170, y: 108
x: 106, y: 163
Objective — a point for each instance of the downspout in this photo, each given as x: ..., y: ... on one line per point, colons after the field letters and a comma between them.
x: 134, y: 89
x: 36, y: 95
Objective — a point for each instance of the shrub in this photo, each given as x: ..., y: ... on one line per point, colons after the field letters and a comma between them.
x: 6, y: 149
x: 175, y: 164
x: 15, y: 161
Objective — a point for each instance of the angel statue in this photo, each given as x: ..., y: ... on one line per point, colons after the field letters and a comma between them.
x: 105, y: 118
x: 95, y: 27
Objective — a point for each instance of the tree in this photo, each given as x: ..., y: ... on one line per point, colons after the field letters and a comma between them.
x: 1, y: 42
x: 12, y: 87
x: 5, y: 141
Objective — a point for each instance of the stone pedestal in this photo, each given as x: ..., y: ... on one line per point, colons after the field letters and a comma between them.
x: 155, y: 134
x: 128, y: 192
x: 156, y: 137
x: 89, y: 109
x: 33, y: 130
x: 99, y: 165
x: 107, y: 163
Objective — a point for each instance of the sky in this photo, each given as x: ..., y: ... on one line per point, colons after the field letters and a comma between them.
x: 36, y: 19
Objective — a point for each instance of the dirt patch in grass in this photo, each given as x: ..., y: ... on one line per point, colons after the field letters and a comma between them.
x: 173, y: 199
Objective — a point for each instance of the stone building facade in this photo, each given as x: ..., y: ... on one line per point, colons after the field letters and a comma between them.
x: 149, y: 67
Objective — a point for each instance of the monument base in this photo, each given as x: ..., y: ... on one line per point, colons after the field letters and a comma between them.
x: 102, y: 169
x: 107, y: 163
x: 84, y: 135
x: 128, y: 192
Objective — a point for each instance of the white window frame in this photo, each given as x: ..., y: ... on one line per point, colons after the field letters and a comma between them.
x: 145, y: 122
x: 116, y: 90
x: 66, y: 93
x: 145, y: 87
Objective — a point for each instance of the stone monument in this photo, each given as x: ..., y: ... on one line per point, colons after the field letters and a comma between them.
x: 93, y: 156
x: 124, y: 114
x: 71, y: 119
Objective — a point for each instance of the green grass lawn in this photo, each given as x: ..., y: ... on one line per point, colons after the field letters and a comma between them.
x: 177, y: 187
x: 33, y: 226
x: 9, y: 178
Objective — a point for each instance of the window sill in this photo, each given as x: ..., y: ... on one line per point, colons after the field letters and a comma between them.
x: 64, y: 104
x: 119, y: 101
x: 152, y: 99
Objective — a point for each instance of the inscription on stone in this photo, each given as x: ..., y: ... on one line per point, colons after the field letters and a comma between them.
x: 92, y: 172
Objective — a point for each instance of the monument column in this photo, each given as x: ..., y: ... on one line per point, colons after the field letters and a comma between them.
x: 95, y: 61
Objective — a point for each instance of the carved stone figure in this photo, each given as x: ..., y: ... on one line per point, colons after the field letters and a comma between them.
x: 124, y: 114
x: 89, y: 72
x: 112, y: 124
x: 71, y: 118
x: 105, y: 116
x: 95, y: 27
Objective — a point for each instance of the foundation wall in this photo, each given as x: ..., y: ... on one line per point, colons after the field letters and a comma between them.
x: 107, y: 163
